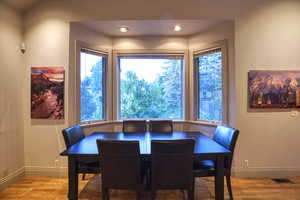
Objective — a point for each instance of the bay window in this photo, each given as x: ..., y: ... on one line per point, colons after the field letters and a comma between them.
x: 92, y: 85
x: 151, y: 86
x: 209, y: 69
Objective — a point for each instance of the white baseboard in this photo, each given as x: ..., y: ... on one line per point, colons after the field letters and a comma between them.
x: 61, y: 172
x: 265, y: 172
x: 11, y: 178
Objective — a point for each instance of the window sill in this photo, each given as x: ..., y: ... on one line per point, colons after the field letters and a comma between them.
x: 96, y: 123
x: 204, y: 123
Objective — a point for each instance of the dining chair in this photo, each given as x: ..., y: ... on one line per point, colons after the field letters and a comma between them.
x: 163, y: 126
x: 73, y: 135
x: 227, y: 137
x: 121, y: 166
x: 134, y: 126
x: 172, y: 165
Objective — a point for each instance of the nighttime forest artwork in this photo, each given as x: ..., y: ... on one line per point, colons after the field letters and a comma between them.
x: 274, y: 89
x: 47, y: 93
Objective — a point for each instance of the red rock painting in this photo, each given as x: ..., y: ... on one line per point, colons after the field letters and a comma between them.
x: 47, y: 93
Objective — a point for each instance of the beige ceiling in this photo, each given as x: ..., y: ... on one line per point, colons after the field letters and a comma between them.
x: 151, y: 27
x: 21, y: 5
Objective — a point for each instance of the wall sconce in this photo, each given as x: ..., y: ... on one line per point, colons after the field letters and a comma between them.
x: 23, y: 47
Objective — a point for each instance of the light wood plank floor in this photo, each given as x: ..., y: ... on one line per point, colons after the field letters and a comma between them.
x: 45, y: 188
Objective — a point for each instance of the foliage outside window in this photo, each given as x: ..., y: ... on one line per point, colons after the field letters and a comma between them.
x: 92, y: 84
x: 209, y: 85
x: 151, y: 87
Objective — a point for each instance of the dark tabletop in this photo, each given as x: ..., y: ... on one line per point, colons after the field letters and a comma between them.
x: 204, y: 146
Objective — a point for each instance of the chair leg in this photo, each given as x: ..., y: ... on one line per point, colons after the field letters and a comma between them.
x: 183, y: 193
x: 191, y: 193
x: 138, y: 195
x: 228, y: 183
x: 105, y: 194
x: 153, y: 194
x: 83, y: 176
x: 147, y: 179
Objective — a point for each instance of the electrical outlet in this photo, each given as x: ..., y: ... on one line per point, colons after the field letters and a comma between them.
x: 246, y: 163
x: 56, y: 162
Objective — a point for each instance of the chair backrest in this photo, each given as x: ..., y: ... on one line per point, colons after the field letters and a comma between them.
x: 120, y: 162
x: 172, y: 164
x: 164, y: 126
x: 227, y: 137
x: 72, y: 135
x: 134, y: 126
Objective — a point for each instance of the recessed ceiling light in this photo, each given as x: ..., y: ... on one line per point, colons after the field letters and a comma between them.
x: 177, y: 28
x: 124, y: 29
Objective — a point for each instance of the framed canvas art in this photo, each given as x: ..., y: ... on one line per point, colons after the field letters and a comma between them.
x: 274, y: 89
x: 47, y: 92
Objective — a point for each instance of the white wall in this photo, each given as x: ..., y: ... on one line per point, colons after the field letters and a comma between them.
x: 49, y: 43
x: 11, y: 100
x: 267, y: 38
x: 36, y: 38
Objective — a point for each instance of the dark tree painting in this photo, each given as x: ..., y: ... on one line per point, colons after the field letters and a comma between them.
x: 274, y: 89
x: 47, y: 93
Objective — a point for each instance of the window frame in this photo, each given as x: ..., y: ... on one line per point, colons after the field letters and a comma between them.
x: 96, y: 50
x: 222, y: 45
x: 116, y: 67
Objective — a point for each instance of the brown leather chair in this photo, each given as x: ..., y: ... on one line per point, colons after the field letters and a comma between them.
x: 227, y: 137
x: 121, y: 166
x: 172, y: 165
x: 73, y: 135
x: 161, y: 126
x: 134, y: 126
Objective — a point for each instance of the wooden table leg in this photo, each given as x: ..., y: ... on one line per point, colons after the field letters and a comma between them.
x: 219, y: 179
x: 73, y: 179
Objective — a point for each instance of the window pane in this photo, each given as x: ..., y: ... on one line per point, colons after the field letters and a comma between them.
x: 151, y: 88
x: 210, y: 86
x: 91, y: 86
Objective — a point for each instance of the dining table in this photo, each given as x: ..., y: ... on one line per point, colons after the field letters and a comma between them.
x: 86, y: 150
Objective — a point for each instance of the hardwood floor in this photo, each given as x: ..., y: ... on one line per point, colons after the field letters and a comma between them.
x: 44, y: 188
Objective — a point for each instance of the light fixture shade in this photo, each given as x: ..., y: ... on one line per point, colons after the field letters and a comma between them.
x: 177, y: 28
x: 124, y: 29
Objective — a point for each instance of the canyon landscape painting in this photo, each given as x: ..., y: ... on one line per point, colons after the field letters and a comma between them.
x: 47, y: 92
x: 274, y: 89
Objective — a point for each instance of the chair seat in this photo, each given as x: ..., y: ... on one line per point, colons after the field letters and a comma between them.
x: 204, y: 164
x: 204, y: 168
